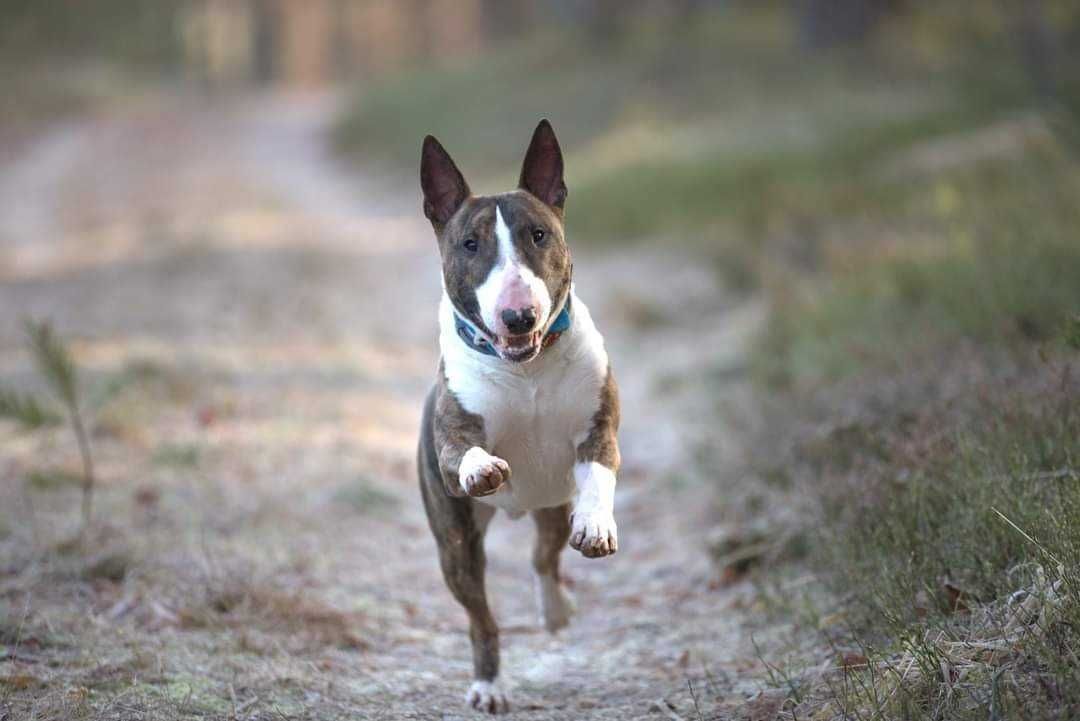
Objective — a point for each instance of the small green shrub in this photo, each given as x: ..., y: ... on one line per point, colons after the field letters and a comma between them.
x: 57, y: 369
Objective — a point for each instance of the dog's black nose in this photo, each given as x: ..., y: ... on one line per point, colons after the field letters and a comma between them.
x: 519, y: 322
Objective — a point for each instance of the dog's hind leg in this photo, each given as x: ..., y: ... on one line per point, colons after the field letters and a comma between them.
x: 552, y: 532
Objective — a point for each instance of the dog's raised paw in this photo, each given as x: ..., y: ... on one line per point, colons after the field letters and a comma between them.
x: 481, y: 473
x: 486, y: 696
x: 593, y: 533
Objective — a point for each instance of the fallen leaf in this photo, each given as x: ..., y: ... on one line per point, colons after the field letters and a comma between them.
x: 737, y: 555
x: 147, y: 497
x: 206, y: 416
x: 852, y: 661
x: 765, y: 706
x: 730, y: 576
x: 110, y: 567
x: 20, y: 681
x: 922, y: 604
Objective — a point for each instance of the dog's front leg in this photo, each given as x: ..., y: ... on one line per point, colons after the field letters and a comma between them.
x: 467, y: 468
x: 592, y: 520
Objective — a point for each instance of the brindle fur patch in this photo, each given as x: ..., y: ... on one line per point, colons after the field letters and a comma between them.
x: 601, y: 445
x: 463, y: 270
x: 455, y: 432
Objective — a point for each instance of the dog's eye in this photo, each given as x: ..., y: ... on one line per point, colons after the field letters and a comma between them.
x: 538, y: 235
x: 470, y: 244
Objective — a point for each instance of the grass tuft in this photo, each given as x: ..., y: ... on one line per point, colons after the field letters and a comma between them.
x: 26, y: 410
x: 54, y: 363
x: 953, y: 540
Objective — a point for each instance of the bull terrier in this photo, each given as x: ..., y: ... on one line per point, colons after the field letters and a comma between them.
x: 524, y: 412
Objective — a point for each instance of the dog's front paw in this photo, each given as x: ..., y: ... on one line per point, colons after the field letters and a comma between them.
x: 481, y: 473
x: 593, y: 533
x: 487, y: 696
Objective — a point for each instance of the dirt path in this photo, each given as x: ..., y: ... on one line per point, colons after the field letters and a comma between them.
x: 278, y: 320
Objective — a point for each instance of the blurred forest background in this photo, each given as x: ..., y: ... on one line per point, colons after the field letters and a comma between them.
x: 833, y: 246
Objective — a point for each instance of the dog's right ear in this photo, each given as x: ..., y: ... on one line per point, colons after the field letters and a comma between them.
x: 444, y: 187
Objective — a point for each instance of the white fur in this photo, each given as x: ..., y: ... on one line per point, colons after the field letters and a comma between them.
x: 556, y: 604
x: 487, y: 696
x: 593, y: 516
x: 508, y: 268
x: 536, y: 413
x: 596, y: 488
x: 476, y: 465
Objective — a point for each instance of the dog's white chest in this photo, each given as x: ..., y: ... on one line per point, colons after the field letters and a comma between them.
x: 533, y: 428
x: 534, y: 415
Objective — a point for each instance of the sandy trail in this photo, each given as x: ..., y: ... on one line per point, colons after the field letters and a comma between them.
x: 292, y: 302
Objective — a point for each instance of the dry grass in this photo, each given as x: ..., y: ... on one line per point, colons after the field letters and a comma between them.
x: 945, y: 535
x: 272, y: 609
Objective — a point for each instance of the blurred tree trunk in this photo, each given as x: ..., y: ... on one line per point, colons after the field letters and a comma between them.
x: 217, y: 41
x: 1037, y: 44
x: 831, y: 23
x: 305, y: 32
x: 383, y: 36
x: 504, y: 19
x: 454, y: 28
x: 602, y: 20
x: 266, y: 42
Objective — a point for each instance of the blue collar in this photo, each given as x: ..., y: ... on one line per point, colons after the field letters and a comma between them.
x: 468, y: 333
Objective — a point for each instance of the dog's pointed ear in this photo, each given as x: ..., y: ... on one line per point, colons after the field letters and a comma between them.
x: 542, y: 171
x: 443, y: 184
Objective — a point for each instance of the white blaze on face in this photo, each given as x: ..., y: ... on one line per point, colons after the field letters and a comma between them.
x: 511, y: 285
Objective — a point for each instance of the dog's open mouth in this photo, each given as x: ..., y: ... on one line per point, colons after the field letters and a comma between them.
x: 519, y: 348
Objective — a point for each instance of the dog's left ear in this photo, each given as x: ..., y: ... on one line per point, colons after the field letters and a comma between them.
x: 542, y: 171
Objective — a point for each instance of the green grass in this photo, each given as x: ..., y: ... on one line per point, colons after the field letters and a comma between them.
x: 484, y: 109
x: 929, y: 549
x: 957, y: 484
x: 757, y: 192
x: 992, y: 258
x: 733, y: 85
x: 468, y: 107
x: 178, y: 455
x: 913, y: 523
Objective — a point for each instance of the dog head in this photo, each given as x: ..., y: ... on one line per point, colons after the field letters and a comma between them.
x: 506, y: 265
